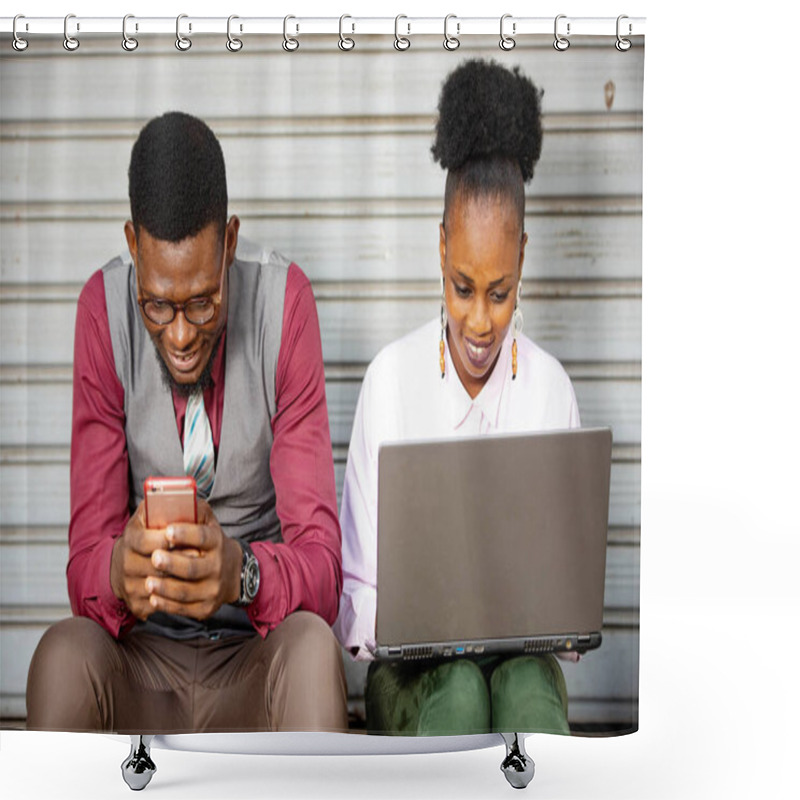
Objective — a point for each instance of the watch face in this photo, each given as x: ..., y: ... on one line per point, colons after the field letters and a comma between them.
x: 252, y: 578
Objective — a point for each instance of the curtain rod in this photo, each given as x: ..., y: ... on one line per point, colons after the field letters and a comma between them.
x: 450, y: 27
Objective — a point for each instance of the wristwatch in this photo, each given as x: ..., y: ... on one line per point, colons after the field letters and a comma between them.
x: 250, y: 577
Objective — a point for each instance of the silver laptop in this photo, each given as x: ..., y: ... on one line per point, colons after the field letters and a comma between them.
x: 492, y: 544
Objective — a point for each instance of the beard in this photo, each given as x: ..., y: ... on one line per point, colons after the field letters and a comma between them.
x: 186, y: 389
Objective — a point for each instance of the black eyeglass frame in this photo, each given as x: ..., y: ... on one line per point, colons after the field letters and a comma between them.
x: 186, y: 308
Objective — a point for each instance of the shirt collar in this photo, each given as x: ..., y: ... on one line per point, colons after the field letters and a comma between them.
x: 487, y: 403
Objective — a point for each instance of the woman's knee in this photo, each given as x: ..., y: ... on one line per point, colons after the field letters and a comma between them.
x: 529, y: 694
x: 457, y: 700
x: 526, y: 674
x: 460, y: 679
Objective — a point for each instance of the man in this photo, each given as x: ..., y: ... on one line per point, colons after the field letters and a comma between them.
x: 187, y: 353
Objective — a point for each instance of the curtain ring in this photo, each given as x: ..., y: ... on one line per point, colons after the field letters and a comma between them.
x: 560, y: 43
x: 345, y: 42
x: 70, y: 42
x: 451, y: 42
x: 507, y: 42
x: 622, y: 44
x: 401, y: 42
x: 18, y: 43
x: 128, y: 42
x: 181, y: 42
x: 233, y: 44
x: 290, y: 44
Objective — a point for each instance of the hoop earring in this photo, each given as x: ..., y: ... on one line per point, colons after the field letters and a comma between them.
x: 443, y: 323
x: 516, y: 328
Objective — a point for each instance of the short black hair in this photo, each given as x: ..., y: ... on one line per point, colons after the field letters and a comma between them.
x: 489, y: 133
x: 176, y: 178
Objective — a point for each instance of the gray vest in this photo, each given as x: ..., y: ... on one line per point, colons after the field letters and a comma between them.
x: 243, y: 496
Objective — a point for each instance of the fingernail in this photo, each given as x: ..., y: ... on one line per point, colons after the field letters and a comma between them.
x: 158, y: 559
x: 170, y: 533
x: 150, y: 585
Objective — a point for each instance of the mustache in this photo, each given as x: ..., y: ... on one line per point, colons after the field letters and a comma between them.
x: 185, y: 389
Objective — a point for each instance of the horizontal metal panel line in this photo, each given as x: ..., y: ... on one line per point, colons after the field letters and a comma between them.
x: 314, y: 208
x: 335, y: 372
x: 578, y: 370
x: 32, y: 615
x: 311, y: 208
x: 14, y: 374
x: 16, y: 536
x: 331, y: 125
x: 48, y: 535
x: 390, y: 291
x: 54, y: 454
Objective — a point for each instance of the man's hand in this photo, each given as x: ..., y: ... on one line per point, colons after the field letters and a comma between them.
x: 195, y: 569
x: 131, y: 563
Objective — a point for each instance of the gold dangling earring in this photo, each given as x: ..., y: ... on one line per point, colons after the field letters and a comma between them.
x: 443, y: 322
x: 516, y: 327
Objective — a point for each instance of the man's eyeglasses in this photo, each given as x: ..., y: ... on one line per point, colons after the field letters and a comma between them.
x: 196, y: 310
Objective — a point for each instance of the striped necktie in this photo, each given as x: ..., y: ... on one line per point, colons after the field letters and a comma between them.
x: 198, y: 446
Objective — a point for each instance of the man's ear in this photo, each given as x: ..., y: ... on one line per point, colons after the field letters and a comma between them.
x: 130, y: 236
x: 231, y: 239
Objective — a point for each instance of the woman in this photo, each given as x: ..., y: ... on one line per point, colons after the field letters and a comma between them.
x: 488, y: 378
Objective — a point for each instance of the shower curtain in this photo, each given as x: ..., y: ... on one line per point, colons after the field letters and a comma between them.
x: 328, y: 160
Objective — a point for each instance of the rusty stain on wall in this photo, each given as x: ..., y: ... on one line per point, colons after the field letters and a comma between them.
x: 609, y: 90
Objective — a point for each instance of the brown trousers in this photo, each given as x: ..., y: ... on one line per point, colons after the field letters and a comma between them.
x: 82, y: 679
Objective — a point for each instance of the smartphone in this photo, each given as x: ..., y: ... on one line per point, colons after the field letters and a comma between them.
x: 168, y: 500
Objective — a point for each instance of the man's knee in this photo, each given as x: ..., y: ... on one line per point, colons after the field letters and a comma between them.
x: 64, y: 673
x: 306, y: 683
x: 308, y: 641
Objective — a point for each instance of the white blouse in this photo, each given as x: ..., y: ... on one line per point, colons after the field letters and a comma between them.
x: 405, y: 397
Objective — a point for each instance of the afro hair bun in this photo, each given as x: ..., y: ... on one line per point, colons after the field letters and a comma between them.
x: 486, y: 109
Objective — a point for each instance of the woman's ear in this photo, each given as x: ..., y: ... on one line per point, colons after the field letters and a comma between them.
x: 442, y: 246
x: 523, y: 242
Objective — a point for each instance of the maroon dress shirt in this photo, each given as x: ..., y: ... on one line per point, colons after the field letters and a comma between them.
x: 301, y: 572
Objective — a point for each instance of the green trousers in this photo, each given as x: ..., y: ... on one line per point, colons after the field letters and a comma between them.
x: 521, y: 694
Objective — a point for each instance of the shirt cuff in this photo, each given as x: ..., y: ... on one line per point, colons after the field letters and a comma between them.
x: 565, y: 655
x: 265, y: 610
x: 113, y: 613
x: 355, y: 625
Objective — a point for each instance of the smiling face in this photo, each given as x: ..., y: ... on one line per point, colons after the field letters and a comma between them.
x: 177, y: 272
x: 481, y: 254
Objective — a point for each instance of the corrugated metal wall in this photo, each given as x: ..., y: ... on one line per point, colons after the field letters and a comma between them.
x: 328, y: 161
